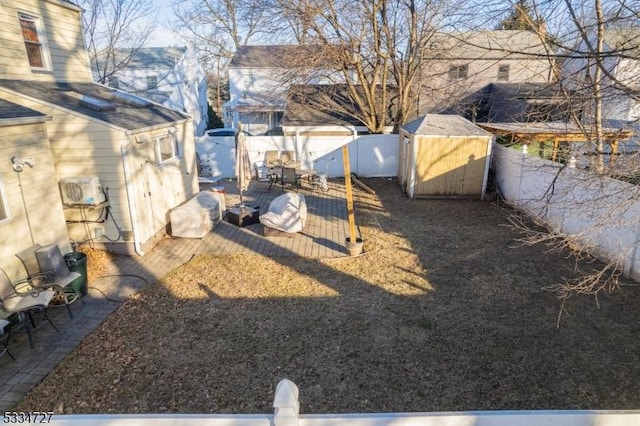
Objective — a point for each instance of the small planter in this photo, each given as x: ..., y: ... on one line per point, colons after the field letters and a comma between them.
x: 354, y: 248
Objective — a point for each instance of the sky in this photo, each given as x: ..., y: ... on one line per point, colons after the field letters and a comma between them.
x: 162, y: 36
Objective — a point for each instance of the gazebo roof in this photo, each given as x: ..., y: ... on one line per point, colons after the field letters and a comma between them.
x: 554, y: 131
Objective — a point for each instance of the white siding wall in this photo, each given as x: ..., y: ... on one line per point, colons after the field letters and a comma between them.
x: 43, y: 221
x: 64, y: 38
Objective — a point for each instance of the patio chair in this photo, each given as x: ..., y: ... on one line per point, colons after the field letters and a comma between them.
x: 289, y: 177
x: 53, y: 274
x: 19, y: 308
x: 286, y: 157
x: 271, y: 158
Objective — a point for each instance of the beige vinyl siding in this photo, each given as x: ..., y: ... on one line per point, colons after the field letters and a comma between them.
x: 82, y: 146
x: 41, y: 196
x: 64, y: 39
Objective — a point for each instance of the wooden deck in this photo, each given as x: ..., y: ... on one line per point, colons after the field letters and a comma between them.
x: 322, y: 237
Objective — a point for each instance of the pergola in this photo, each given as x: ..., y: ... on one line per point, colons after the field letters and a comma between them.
x: 555, y: 132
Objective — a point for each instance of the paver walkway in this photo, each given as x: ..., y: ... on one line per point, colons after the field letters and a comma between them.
x: 323, y: 237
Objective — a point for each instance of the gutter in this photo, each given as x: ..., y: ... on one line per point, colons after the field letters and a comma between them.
x: 124, y: 150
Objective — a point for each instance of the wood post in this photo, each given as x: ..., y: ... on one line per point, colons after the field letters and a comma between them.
x: 349, y: 193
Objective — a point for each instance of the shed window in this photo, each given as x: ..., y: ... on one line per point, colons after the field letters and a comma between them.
x: 458, y: 72
x: 4, y: 204
x: 34, y: 41
x: 503, y: 72
x: 166, y: 148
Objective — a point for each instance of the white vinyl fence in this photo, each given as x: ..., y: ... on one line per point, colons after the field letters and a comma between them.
x: 600, y: 212
x: 370, y: 155
x: 287, y: 407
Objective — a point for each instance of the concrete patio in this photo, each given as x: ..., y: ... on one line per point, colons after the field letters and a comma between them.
x: 323, y: 237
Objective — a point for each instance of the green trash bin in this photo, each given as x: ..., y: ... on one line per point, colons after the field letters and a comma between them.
x: 77, y: 262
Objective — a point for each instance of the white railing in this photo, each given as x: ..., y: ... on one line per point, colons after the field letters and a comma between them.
x: 287, y: 409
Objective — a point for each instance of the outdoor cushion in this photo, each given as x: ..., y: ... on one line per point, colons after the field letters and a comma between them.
x: 198, y: 216
x: 287, y: 213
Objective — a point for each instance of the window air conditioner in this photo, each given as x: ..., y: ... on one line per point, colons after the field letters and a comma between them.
x: 81, y: 190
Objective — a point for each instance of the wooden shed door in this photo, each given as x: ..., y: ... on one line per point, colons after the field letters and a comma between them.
x: 450, y: 166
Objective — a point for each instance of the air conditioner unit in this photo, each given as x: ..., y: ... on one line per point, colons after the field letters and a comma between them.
x: 81, y: 190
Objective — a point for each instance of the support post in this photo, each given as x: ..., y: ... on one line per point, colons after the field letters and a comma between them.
x: 349, y: 193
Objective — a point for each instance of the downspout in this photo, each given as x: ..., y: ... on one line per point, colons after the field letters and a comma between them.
x: 124, y: 150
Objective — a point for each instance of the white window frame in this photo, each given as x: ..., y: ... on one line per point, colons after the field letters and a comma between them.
x: 458, y: 72
x: 4, y: 204
x: 42, y: 40
x: 248, y: 80
x: 175, y: 148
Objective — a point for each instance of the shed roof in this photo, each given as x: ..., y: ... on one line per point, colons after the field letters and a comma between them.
x: 100, y: 102
x: 443, y: 125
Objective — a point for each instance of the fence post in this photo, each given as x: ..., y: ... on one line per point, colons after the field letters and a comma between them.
x: 285, y: 402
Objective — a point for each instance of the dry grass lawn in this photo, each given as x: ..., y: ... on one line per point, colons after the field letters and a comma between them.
x: 443, y: 312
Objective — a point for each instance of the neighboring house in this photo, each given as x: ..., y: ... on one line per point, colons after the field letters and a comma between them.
x: 30, y: 205
x: 143, y: 154
x: 518, y: 102
x: 169, y: 76
x: 325, y: 110
x: 259, y: 78
x: 456, y: 66
x: 621, y: 58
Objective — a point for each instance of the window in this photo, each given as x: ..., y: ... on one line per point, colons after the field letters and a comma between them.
x: 458, y: 72
x: 503, y: 72
x: 249, y: 80
x: 5, y: 216
x: 114, y: 82
x: 152, y: 82
x: 34, y: 41
x: 166, y: 148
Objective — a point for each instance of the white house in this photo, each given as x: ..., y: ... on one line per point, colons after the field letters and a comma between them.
x: 621, y: 61
x: 260, y: 77
x: 170, y: 76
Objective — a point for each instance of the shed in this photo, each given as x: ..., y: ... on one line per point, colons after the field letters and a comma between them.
x: 444, y: 156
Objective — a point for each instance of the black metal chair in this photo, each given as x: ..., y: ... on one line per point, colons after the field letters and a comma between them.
x: 289, y: 177
x: 59, y: 280
x: 19, y: 308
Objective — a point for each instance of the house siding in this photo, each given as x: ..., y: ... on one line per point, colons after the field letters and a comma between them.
x: 81, y: 146
x: 63, y: 31
x: 43, y: 220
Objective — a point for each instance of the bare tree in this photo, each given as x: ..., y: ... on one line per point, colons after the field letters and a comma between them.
x: 113, y: 24
x: 598, y: 43
x: 378, y: 47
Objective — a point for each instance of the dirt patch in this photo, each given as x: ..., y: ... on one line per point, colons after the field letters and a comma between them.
x: 443, y: 312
